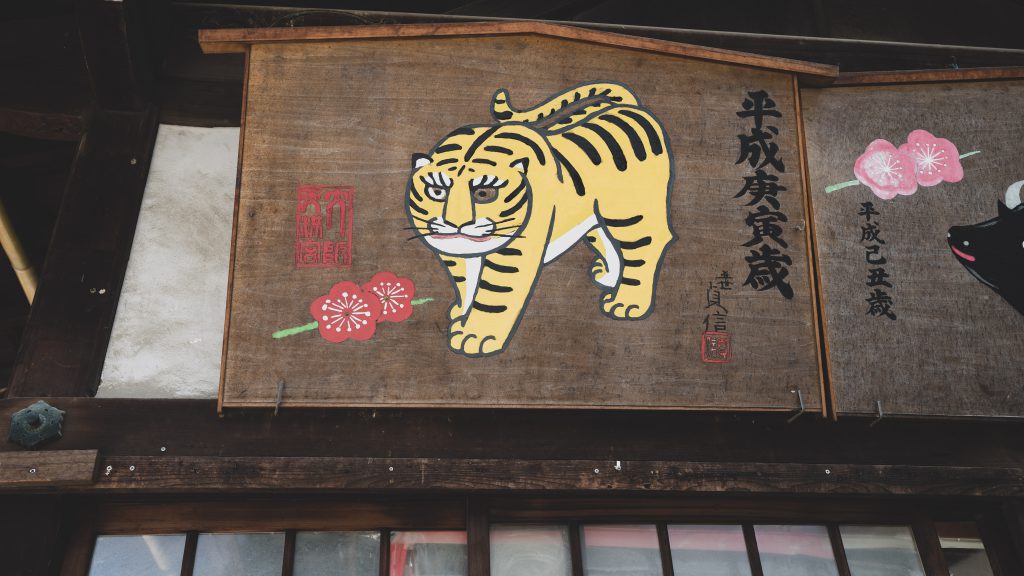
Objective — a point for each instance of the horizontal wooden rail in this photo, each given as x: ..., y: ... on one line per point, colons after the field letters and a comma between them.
x: 210, y: 473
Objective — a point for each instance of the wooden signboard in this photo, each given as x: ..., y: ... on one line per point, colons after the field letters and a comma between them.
x: 517, y: 215
x: 919, y: 229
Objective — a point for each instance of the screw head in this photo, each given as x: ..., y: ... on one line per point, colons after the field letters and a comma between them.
x: 827, y: 471
x: 131, y: 468
x: 597, y: 470
x: 31, y: 470
x: 163, y: 448
x: 133, y: 161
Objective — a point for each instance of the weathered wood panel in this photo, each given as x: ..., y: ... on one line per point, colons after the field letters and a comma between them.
x: 954, y: 345
x: 48, y: 468
x: 352, y: 113
x: 204, y: 474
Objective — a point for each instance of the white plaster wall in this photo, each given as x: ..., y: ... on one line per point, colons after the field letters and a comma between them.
x: 166, y: 340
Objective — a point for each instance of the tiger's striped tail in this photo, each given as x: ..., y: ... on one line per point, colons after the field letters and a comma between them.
x: 582, y: 100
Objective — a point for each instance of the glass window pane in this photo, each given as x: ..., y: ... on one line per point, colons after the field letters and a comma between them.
x: 132, y: 555
x: 700, y: 550
x: 963, y: 549
x: 881, y: 551
x: 435, y: 553
x: 337, y: 553
x: 257, y: 554
x: 795, y: 551
x: 530, y: 551
x: 621, y: 550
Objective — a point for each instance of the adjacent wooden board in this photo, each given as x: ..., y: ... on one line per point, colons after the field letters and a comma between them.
x: 954, y: 347
x: 348, y: 115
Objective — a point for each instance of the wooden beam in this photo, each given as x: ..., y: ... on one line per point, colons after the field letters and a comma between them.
x: 113, y: 42
x: 183, y: 474
x: 124, y: 427
x: 51, y: 468
x: 234, y: 40
x: 65, y: 341
x: 42, y: 125
x: 916, y: 76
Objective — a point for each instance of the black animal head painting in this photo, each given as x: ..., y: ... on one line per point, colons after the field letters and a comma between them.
x: 993, y: 250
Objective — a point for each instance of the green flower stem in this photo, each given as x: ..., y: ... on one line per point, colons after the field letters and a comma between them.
x: 847, y: 184
x: 312, y: 325
x: 840, y: 186
x: 295, y: 330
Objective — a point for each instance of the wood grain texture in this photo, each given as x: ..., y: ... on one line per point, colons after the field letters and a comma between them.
x: 204, y: 474
x: 234, y: 40
x: 954, y: 349
x: 48, y: 468
x: 941, y: 75
x: 279, y: 514
x: 311, y: 122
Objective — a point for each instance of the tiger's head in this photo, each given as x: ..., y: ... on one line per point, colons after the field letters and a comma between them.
x: 468, y: 203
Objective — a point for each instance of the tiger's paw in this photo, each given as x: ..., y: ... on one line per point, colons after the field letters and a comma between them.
x: 628, y: 303
x: 600, y: 275
x: 464, y: 340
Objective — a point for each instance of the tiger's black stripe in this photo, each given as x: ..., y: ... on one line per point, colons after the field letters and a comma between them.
x: 500, y: 268
x: 463, y: 131
x: 480, y: 140
x: 577, y: 182
x: 489, y: 308
x: 510, y: 252
x: 634, y: 139
x: 633, y: 263
x: 416, y: 194
x: 504, y: 115
x: 617, y: 156
x: 584, y: 145
x: 511, y: 196
x: 449, y: 263
x: 498, y: 149
x: 417, y: 208
x: 635, y: 244
x: 515, y: 208
x: 494, y: 287
x: 624, y: 222
x: 447, y: 161
x: 630, y: 281
x: 459, y: 278
x: 533, y: 145
x: 448, y: 148
x: 484, y: 161
x: 652, y: 134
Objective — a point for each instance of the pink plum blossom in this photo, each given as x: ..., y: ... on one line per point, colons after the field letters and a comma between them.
x: 936, y: 159
x: 886, y: 170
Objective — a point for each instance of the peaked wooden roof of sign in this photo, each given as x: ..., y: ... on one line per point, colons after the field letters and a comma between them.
x: 236, y: 39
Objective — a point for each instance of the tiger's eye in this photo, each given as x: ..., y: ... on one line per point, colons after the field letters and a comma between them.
x: 484, y: 195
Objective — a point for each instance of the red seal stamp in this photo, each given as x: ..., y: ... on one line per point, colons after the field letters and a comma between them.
x: 715, y: 347
x: 323, y: 226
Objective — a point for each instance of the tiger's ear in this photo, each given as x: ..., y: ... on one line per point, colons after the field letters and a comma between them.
x: 419, y: 160
x: 522, y: 164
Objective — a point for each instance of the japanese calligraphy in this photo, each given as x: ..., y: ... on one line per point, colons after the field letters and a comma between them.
x: 716, y: 347
x: 767, y: 262
x: 879, y: 300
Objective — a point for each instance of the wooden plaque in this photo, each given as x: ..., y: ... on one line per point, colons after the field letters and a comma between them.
x: 499, y: 216
x: 920, y: 245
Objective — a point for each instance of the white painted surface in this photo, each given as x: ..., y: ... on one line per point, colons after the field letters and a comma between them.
x: 166, y: 341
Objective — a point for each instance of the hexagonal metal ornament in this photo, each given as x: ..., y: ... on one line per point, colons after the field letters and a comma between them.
x: 35, y: 425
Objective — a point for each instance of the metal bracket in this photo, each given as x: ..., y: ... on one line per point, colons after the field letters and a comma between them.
x: 878, y: 405
x: 280, y: 396
x: 803, y: 408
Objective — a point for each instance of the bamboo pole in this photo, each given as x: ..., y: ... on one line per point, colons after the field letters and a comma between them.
x: 16, y: 254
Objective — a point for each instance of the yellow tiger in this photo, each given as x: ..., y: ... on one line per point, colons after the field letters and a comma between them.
x: 497, y: 202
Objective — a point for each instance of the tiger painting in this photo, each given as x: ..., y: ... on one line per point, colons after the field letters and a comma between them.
x: 497, y: 202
